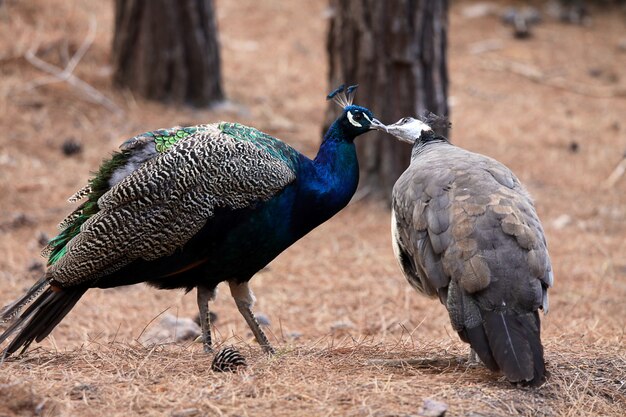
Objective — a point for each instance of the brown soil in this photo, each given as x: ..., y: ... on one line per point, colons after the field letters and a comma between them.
x: 551, y: 108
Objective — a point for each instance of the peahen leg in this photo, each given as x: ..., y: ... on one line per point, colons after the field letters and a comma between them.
x: 473, y: 358
x: 245, y: 300
x: 204, y: 296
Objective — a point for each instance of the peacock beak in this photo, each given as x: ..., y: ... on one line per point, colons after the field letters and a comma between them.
x: 378, y: 125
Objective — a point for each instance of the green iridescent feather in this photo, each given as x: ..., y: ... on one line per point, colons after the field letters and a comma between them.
x: 165, y: 138
x: 99, y: 184
x: 270, y: 144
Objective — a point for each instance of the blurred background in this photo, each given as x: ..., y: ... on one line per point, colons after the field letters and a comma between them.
x: 538, y: 85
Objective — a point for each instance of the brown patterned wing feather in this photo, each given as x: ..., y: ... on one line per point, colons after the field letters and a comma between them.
x: 161, y: 205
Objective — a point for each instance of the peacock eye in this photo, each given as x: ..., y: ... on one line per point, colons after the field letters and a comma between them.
x: 358, y: 116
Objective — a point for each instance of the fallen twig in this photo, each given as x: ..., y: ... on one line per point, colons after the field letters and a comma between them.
x: 536, y: 75
x: 617, y: 173
x: 67, y: 74
x: 416, y: 363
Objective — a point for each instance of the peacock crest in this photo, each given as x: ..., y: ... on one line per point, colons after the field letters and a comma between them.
x: 343, y: 96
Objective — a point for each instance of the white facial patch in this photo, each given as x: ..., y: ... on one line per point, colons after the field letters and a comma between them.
x: 367, y: 117
x: 354, y: 122
x: 408, y: 129
x: 414, y: 129
x: 417, y: 127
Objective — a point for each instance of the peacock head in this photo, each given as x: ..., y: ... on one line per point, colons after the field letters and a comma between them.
x: 355, y: 120
x: 411, y: 130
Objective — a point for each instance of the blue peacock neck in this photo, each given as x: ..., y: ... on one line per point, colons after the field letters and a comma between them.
x: 325, y: 184
x: 334, y: 173
x: 337, y: 158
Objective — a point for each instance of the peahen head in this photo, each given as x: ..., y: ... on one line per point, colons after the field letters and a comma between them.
x: 354, y: 120
x: 411, y: 130
x: 408, y: 129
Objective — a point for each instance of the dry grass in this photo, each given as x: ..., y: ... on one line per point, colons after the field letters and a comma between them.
x: 339, y: 308
x: 328, y: 378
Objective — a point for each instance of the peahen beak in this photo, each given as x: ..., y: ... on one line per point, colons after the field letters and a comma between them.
x: 378, y: 125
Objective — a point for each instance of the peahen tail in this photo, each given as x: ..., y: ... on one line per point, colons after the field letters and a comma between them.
x: 512, y: 343
x: 47, y: 309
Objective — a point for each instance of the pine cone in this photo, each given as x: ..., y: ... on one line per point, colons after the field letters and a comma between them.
x: 228, y: 359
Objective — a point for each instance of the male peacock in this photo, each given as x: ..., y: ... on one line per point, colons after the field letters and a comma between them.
x: 190, y: 207
x: 465, y: 230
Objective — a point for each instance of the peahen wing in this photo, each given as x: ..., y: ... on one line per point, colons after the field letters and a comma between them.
x: 463, y: 216
x: 472, y: 236
x: 421, y: 222
x: 157, y: 207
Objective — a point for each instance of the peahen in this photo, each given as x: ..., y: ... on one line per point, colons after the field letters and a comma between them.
x: 465, y: 230
x: 190, y: 207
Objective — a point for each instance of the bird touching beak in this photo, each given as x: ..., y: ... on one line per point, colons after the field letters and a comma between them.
x: 378, y: 125
x: 408, y: 129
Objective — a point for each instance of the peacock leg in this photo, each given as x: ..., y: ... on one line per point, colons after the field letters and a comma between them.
x: 245, y: 300
x: 204, y: 296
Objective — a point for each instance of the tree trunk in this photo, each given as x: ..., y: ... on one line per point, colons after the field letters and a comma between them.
x: 396, y: 51
x: 167, y: 50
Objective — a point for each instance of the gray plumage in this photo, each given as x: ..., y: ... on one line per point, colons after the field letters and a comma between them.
x: 466, y: 231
